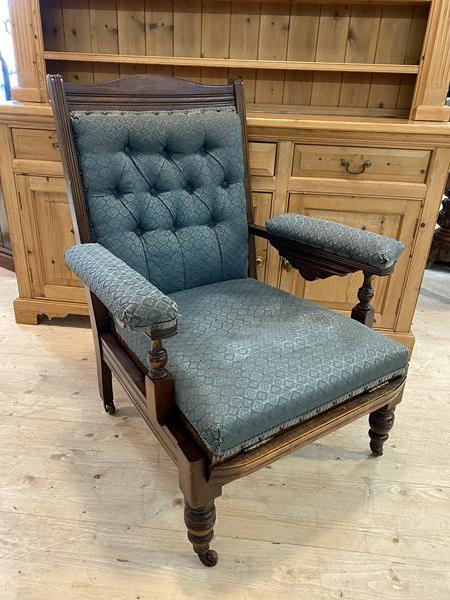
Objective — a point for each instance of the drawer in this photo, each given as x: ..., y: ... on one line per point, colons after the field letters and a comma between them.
x: 35, y: 144
x: 262, y: 158
x: 344, y: 162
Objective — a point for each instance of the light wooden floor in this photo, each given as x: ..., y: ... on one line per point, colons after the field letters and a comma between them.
x: 90, y: 506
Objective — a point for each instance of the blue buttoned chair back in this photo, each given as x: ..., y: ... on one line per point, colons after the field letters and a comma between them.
x: 165, y: 192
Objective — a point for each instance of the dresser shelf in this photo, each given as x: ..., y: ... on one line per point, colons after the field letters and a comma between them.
x: 187, y: 61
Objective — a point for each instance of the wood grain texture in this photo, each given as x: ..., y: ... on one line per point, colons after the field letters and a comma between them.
x: 333, y: 33
x: 212, y: 40
x: 6, y: 256
x: 159, y: 27
x: 245, y: 23
x: 28, y: 50
x: 9, y: 194
x: 44, y: 211
x: 104, y: 35
x: 440, y: 165
x: 187, y: 28
x: 52, y: 24
x: 361, y: 47
x: 262, y: 64
x: 215, y: 30
x: 432, y: 84
x: 131, y: 26
x: 262, y: 209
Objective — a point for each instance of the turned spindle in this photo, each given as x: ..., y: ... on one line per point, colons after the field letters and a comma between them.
x: 363, y: 311
x: 157, y: 358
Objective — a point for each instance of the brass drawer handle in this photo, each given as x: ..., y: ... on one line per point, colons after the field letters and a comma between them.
x: 346, y: 163
x: 259, y: 261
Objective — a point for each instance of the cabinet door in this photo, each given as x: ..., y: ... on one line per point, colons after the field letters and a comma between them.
x: 396, y: 218
x: 47, y: 228
x: 6, y: 260
x: 262, y: 210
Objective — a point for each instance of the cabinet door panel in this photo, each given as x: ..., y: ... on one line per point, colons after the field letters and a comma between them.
x: 5, y: 240
x: 35, y: 144
x: 262, y: 209
x: 48, y: 232
x: 387, y: 216
x: 6, y: 258
x: 262, y: 158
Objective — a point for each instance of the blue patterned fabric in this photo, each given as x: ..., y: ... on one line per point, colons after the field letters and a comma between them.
x: 165, y: 192
x: 367, y: 247
x: 130, y: 298
x: 250, y: 360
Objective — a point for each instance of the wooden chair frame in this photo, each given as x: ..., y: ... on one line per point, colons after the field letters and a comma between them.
x: 201, y: 476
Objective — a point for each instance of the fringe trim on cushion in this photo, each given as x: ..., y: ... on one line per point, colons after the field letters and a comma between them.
x: 261, y: 438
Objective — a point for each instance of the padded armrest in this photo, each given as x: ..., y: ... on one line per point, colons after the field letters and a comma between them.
x: 364, y: 246
x: 131, y: 298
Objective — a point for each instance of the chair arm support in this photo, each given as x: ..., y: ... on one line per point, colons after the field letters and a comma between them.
x: 314, y: 262
x: 364, y: 247
x: 131, y: 298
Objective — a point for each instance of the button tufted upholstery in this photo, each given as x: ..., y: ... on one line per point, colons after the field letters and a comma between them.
x: 165, y: 192
x: 250, y: 360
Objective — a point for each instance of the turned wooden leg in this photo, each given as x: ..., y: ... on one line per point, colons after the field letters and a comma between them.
x: 381, y: 422
x: 363, y: 311
x: 200, y: 523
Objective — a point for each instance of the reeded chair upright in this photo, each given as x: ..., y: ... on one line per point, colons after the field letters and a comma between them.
x: 229, y: 373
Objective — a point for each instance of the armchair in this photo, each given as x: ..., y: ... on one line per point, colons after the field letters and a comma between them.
x: 158, y: 179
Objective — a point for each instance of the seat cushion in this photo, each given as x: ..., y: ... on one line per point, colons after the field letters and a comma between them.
x: 166, y: 188
x: 250, y: 360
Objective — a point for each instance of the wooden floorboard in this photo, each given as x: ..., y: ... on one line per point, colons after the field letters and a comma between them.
x: 90, y: 506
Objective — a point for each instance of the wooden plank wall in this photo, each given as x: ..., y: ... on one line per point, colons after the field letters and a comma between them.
x: 280, y: 31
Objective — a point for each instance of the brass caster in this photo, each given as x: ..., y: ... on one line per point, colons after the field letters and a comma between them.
x: 200, y: 523
x: 209, y: 558
x: 377, y: 448
x: 109, y: 408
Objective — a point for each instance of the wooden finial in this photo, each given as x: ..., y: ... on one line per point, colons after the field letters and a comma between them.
x: 157, y: 358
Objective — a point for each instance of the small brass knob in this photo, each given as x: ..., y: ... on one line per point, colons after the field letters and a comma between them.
x: 285, y: 263
x: 259, y: 261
